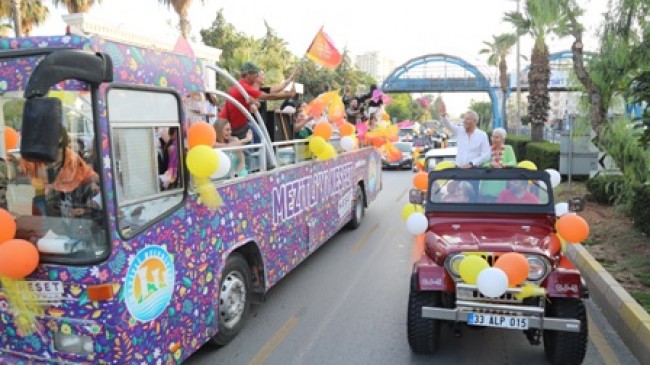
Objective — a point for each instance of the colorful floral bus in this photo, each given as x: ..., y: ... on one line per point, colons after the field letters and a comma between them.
x: 134, y: 270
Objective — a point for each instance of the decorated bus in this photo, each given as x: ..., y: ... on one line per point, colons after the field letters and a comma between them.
x: 107, y: 259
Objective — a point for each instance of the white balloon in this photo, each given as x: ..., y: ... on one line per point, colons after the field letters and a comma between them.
x: 417, y: 223
x: 224, y: 164
x: 556, y: 178
x: 347, y: 143
x: 492, y: 282
x: 561, y: 209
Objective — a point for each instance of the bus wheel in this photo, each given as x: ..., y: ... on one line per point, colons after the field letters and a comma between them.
x: 357, y: 209
x: 234, y: 299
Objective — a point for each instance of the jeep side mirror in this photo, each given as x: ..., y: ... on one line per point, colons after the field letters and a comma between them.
x: 41, y: 129
x: 416, y: 196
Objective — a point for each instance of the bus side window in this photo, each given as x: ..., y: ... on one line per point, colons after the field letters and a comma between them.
x: 147, y: 165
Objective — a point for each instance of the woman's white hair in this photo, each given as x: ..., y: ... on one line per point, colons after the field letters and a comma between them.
x: 500, y: 132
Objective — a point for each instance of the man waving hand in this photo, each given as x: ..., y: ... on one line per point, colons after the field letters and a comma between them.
x: 473, y: 145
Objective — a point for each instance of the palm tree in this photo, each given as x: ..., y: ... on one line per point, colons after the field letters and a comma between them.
x: 181, y: 7
x: 540, y: 18
x: 76, y: 6
x: 498, y: 50
x: 31, y: 13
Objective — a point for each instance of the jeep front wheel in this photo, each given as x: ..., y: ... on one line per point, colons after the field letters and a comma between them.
x: 423, y: 333
x: 566, y: 348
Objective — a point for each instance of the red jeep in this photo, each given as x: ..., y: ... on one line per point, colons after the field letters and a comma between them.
x: 488, y: 213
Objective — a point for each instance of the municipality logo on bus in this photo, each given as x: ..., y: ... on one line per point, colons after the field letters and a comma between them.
x: 149, y: 283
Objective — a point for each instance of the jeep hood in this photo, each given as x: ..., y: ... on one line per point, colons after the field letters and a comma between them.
x: 475, y: 241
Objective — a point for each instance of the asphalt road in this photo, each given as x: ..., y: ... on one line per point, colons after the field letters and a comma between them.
x: 346, y: 304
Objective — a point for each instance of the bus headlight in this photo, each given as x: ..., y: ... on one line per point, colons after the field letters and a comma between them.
x: 537, y: 268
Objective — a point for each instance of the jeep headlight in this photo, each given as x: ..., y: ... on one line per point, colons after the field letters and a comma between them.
x: 537, y: 268
x: 453, y: 263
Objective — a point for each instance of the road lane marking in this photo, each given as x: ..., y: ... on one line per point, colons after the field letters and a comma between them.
x: 362, y: 241
x: 599, y: 341
x: 265, y: 352
x: 401, y: 195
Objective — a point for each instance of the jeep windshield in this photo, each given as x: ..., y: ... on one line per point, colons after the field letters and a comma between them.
x: 490, y: 187
x: 58, y: 206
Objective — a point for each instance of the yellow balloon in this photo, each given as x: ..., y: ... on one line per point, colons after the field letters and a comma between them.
x: 202, y: 161
x: 317, y: 144
x: 444, y: 165
x: 410, y: 209
x: 470, y: 267
x: 527, y: 165
x: 327, y: 153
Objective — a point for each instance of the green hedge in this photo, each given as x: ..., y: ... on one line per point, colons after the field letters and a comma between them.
x: 604, y: 189
x: 545, y: 155
x: 640, y: 211
x: 518, y: 144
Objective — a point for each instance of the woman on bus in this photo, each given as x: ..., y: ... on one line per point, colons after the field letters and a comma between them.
x: 226, y: 139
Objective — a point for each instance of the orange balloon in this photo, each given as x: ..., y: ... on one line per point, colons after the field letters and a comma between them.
x: 11, y: 138
x: 515, y: 266
x: 421, y: 181
x: 565, y: 263
x: 347, y: 129
x: 201, y: 133
x: 377, y: 141
x: 323, y: 129
x: 572, y: 228
x: 555, y: 245
x: 7, y: 226
x: 18, y: 258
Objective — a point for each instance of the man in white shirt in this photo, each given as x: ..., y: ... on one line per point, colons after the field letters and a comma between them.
x: 472, y: 143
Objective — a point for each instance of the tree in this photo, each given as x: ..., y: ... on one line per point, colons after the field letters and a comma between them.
x: 181, y: 7
x: 540, y: 18
x: 32, y: 13
x: 497, y: 52
x: 400, y: 108
x: 640, y: 93
x: 76, y: 6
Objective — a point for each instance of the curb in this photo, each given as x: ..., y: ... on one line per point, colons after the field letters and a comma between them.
x: 626, y: 316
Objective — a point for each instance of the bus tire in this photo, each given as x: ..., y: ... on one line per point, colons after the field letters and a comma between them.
x: 358, y: 209
x: 234, y: 299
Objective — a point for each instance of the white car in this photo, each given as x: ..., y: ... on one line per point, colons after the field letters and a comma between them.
x: 437, y: 155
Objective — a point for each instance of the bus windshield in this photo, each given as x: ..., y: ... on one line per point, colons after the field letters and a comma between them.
x: 57, y: 206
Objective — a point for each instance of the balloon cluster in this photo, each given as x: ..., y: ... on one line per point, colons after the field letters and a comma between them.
x: 204, y: 162
x: 18, y: 258
x: 322, y: 132
x: 510, y: 270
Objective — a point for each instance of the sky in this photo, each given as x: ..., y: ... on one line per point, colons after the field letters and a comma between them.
x: 401, y: 30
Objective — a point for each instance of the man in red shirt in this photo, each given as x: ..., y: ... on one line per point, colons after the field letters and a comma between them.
x: 517, y: 194
x: 238, y: 121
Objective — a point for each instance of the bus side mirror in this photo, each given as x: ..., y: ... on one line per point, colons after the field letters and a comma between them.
x: 416, y: 196
x: 41, y: 129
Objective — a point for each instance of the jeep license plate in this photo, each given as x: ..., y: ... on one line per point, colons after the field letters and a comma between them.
x: 494, y: 320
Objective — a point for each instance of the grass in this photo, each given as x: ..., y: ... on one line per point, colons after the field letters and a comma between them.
x: 643, y: 299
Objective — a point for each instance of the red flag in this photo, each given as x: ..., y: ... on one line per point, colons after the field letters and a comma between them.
x: 323, y: 51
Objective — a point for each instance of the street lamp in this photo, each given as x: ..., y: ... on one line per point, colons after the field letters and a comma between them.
x: 518, y: 114
x: 15, y: 6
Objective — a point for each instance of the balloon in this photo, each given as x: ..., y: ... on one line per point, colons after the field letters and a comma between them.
x: 327, y: 153
x: 561, y: 209
x: 336, y: 109
x: 317, y: 144
x: 347, y: 143
x: 444, y: 165
x: 417, y: 223
x: 18, y: 258
x: 201, y: 133
x: 515, y: 266
x: 556, y: 178
x: 393, y: 154
x: 377, y: 141
x: 224, y: 164
x: 421, y: 181
x: 470, y: 267
x: 202, y: 161
x: 410, y: 209
x: 573, y: 228
x: 565, y: 263
x: 7, y: 226
x: 492, y: 282
x: 11, y: 138
x: 555, y: 245
x: 347, y: 129
x: 527, y: 165
x: 323, y: 129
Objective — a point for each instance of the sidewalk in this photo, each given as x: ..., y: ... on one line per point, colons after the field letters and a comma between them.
x: 628, y: 318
